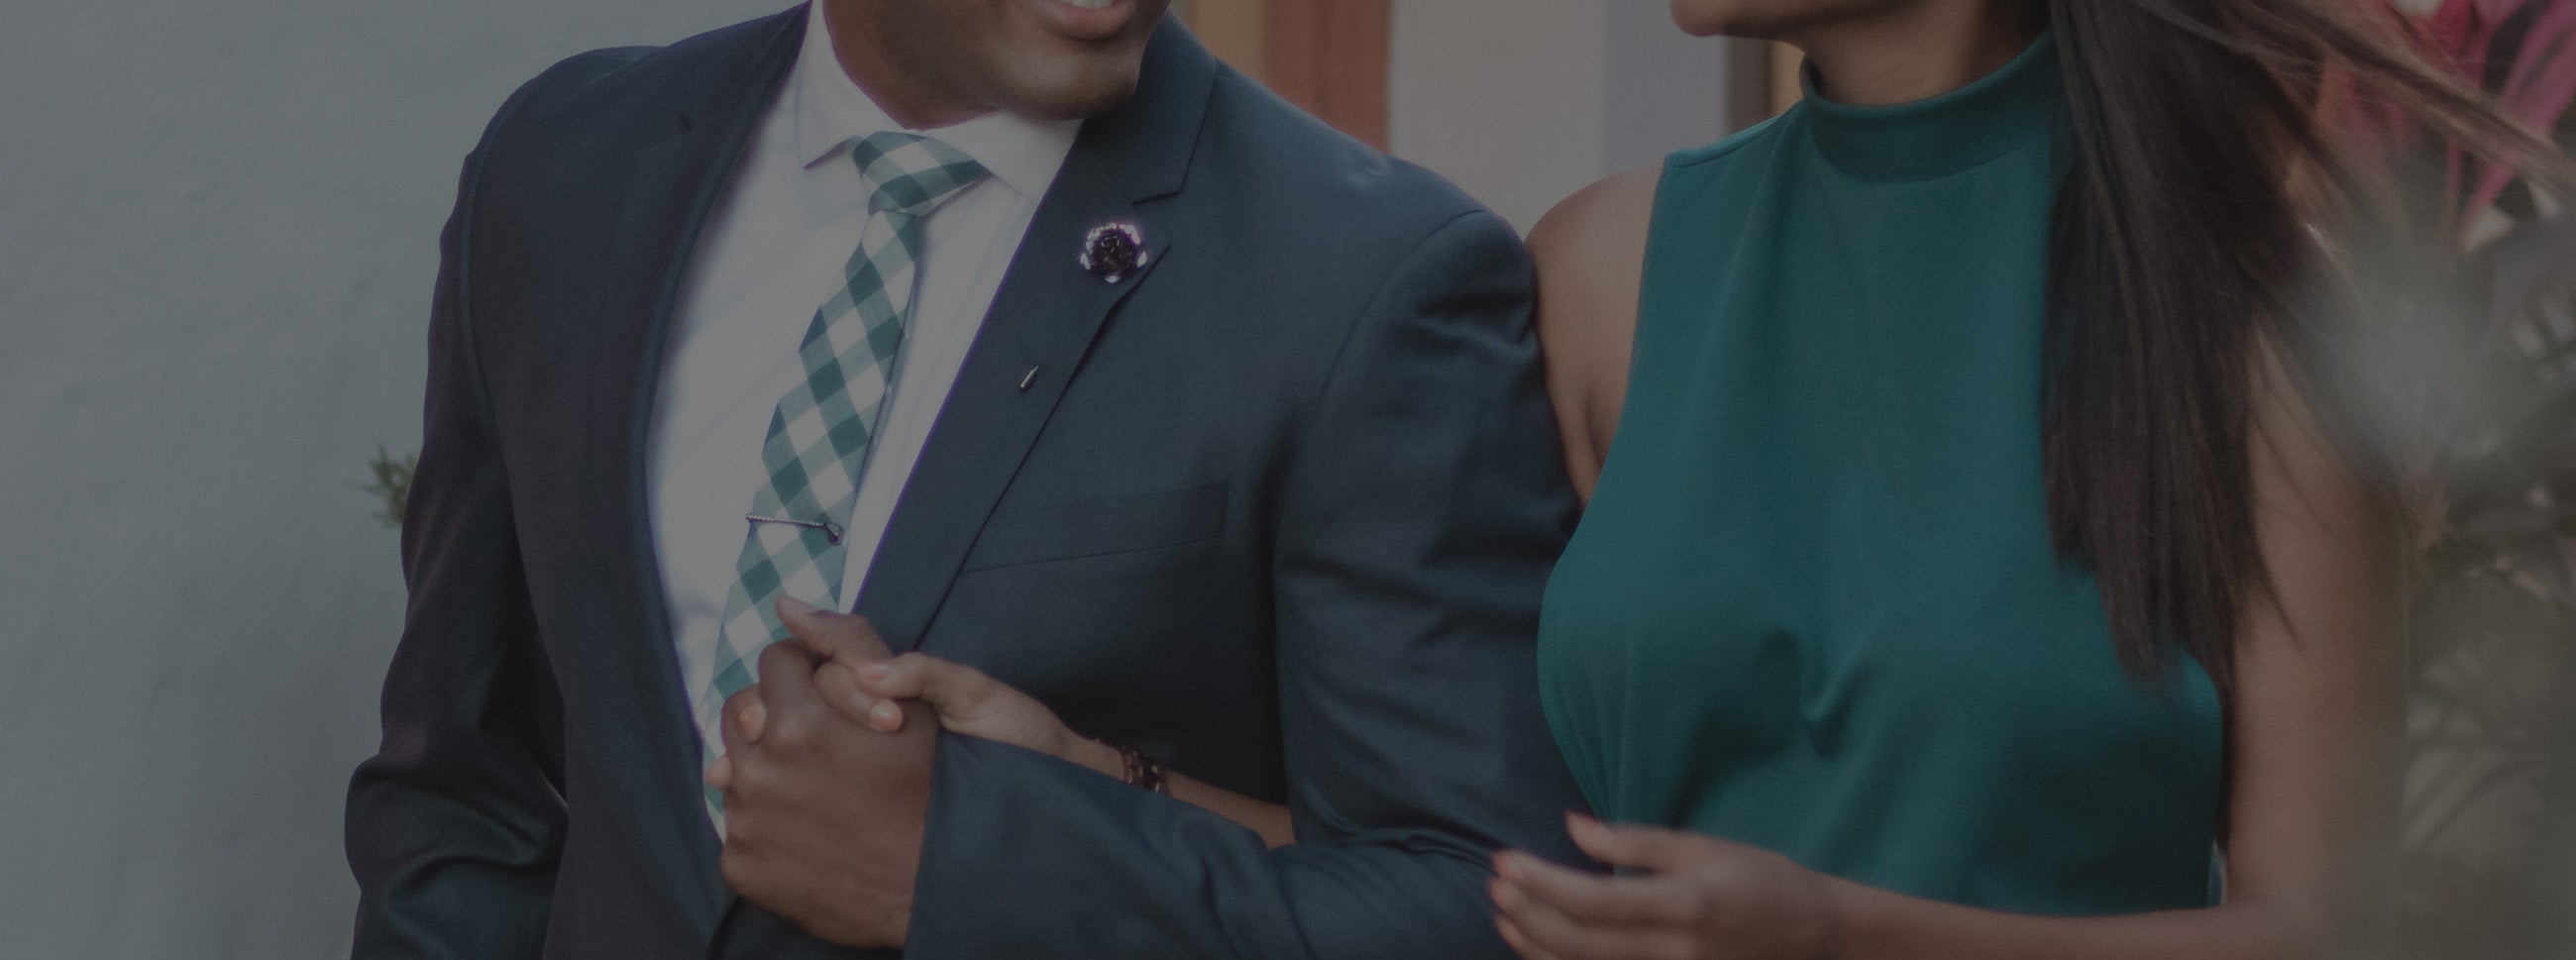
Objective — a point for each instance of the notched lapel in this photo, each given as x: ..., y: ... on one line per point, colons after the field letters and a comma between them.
x: 1041, y: 324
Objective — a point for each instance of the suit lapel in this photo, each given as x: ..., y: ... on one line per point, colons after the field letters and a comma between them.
x: 650, y: 752
x: 1041, y: 324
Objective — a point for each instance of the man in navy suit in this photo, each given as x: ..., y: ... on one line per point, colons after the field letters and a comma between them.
x: 1045, y: 345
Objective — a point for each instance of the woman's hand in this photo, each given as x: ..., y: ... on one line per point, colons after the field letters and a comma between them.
x: 967, y: 702
x: 1689, y: 896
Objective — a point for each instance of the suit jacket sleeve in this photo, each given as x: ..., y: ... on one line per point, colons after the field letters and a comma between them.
x: 1418, y: 523
x: 454, y: 827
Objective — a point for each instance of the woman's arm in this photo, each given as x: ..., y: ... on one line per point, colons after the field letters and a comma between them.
x: 2314, y: 724
x: 970, y: 703
x: 1590, y: 253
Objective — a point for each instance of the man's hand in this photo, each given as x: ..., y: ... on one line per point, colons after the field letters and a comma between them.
x: 823, y: 816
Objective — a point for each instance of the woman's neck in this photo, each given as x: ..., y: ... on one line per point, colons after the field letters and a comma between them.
x: 1918, y: 50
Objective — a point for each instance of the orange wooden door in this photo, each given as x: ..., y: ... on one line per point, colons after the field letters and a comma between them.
x: 1328, y: 56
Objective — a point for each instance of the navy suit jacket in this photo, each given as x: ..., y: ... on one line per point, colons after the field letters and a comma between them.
x: 1276, y: 510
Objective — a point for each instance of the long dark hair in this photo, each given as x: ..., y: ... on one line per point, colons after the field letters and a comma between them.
x: 2189, y: 242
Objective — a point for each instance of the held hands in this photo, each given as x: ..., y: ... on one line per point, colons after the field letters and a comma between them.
x: 874, y: 691
x: 823, y: 817
x: 1689, y: 896
x: 826, y: 771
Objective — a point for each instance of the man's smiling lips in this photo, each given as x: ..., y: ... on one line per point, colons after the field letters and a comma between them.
x: 1087, y: 20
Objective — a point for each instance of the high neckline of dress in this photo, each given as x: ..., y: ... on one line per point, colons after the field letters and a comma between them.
x: 1946, y: 133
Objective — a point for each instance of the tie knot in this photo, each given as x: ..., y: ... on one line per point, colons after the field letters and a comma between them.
x: 911, y: 174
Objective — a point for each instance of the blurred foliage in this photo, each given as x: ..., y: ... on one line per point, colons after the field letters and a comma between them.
x: 2488, y: 843
x: 391, y: 485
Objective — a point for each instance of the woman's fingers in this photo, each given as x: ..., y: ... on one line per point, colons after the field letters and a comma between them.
x: 958, y: 691
x: 1520, y: 942
x: 1552, y: 933
x: 741, y: 708
x: 1539, y: 926
x: 898, y: 679
x: 839, y: 685
x: 1591, y: 899
x: 844, y: 644
x: 831, y: 634
x: 1653, y: 849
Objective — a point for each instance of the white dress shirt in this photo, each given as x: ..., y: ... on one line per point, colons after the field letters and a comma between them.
x: 773, y: 252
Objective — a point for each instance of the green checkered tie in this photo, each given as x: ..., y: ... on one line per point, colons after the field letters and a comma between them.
x: 821, y: 434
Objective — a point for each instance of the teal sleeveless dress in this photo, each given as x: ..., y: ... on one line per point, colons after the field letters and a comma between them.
x: 1813, y: 604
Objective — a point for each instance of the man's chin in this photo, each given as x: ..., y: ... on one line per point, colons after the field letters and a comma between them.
x: 1079, y: 100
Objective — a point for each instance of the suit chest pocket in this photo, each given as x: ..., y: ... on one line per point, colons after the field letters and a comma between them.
x: 1073, y: 529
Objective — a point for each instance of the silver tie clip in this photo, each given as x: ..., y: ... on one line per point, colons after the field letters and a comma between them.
x: 831, y: 531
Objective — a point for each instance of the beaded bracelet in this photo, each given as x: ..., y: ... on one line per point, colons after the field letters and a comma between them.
x: 1141, y: 770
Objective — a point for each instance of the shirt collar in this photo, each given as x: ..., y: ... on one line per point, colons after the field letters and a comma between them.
x: 830, y: 109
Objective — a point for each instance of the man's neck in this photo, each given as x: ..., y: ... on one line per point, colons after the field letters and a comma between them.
x: 870, y: 59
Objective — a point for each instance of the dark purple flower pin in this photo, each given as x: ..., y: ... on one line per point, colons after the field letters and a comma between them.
x: 1113, y: 250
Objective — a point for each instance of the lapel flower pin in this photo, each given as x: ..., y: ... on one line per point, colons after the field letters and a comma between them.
x: 1113, y: 250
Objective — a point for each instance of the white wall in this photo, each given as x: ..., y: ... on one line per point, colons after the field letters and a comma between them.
x: 1525, y: 101
x: 218, y: 228
x: 1502, y: 96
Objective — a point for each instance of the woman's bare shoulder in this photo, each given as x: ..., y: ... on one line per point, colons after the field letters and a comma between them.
x: 1589, y: 239
x: 1590, y: 253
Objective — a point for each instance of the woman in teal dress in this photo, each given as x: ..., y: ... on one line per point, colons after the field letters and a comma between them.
x: 1969, y: 576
